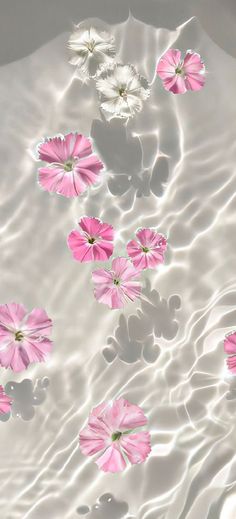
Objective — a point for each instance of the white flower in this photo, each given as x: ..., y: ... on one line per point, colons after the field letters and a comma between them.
x: 121, y: 89
x: 89, y: 49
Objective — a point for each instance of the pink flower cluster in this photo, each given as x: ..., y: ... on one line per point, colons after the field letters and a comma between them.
x: 94, y: 242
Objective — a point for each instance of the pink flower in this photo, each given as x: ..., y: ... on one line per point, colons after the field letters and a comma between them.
x: 71, y: 165
x: 230, y: 348
x: 110, y: 431
x: 5, y: 402
x: 114, y: 287
x: 23, y: 336
x: 179, y: 76
x: 148, y: 250
x: 94, y: 243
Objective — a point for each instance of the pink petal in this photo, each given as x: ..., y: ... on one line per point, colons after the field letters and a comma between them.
x: 38, y: 323
x: 113, y: 297
x: 231, y: 362
x: 168, y: 63
x: 82, y: 146
x: 175, y: 84
x: 36, y: 350
x: 88, y: 170
x: 124, y: 270
x: 78, y: 244
x: 53, y: 150
x: 130, y: 415
x: 230, y: 343
x: 193, y: 63
x: 14, y: 357
x: 102, y: 277
x: 136, y: 446
x: 5, y: 402
x: 194, y: 81
x: 112, y: 460
x: 12, y: 315
x: 95, y: 227
x: 92, y: 442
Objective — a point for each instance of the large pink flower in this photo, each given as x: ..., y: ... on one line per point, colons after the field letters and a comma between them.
x: 5, y: 402
x: 71, y: 165
x: 230, y: 348
x: 110, y: 431
x: 23, y: 336
x: 116, y: 286
x: 179, y: 76
x: 148, y: 250
x: 94, y: 242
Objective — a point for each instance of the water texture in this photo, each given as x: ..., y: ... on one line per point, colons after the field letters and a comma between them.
x: 172, y: 167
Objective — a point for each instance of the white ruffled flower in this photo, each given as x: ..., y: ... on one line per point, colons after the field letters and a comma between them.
x: 89, y: 49
x: 121, y: 89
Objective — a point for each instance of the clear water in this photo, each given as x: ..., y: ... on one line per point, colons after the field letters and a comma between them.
x: 172, y: 167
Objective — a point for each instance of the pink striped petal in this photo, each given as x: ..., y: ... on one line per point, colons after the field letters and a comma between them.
x: 136, y: 446
x: 12, y: 315
x: 38, y: 323
x: 231, y: 363
x: 5, y: 402
x: 230, y: 343
x: 111, y: 460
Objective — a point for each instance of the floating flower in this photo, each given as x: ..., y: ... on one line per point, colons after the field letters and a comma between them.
x: 116, y: 286
x: 89, y: 49
x: 179, y: 76
x: 24, y: 337
x: 5, y: 402
x: 94, y: 242
x: 110, y: 431
x: 121, y: 89
x: 230, y: 348
x: 148, y: 251
x: 71, y: 165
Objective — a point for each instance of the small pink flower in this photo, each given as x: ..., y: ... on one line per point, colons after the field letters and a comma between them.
x: 71, y: 165
x: 116, y: 286
x: 148, y: 251
x: 5, y: 402
x: 94, y: 242
x: 179, y: 76
x: 230, y: 348
x: 110, y: 431
x: 23, y: 336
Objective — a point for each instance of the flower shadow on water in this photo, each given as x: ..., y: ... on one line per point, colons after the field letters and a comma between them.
x: 123, y: 156
x: 107, y: 507
x: 25, y: 397
x: 135, y: 336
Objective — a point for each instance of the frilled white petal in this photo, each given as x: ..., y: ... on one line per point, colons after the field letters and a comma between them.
x: 89, y: 49
x: 121, y: 89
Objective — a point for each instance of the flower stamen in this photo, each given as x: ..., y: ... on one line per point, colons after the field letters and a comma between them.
x: 68, y: 166
x: 19, y: 336
x: 116, y: 436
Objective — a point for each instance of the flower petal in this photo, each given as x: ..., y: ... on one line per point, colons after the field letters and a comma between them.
x: 38, y: 323
x: 11, y: 315
x: 5, y: 402
x: 112, y: 460
x: 230, y: 343
x: 168, y: 63
x: 136, y: 446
